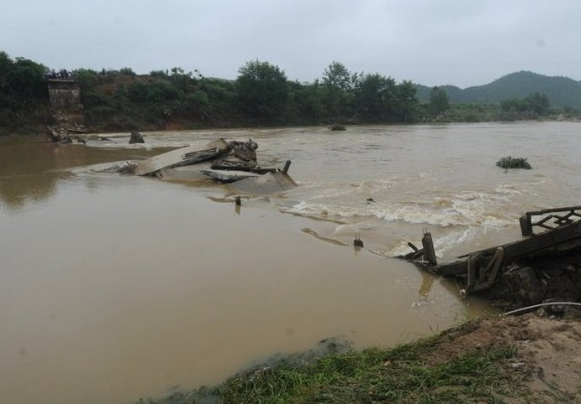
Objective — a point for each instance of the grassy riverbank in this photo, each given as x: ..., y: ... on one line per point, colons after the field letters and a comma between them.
x: 498, y: 360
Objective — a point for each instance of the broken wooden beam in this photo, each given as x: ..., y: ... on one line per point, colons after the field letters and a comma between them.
x: 286, y: 166
x: 429, y: 254
x: 479, y: 270
x: 570, y: 215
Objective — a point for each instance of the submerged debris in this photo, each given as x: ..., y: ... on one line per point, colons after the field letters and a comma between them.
x: 57, y: 134
x: 336, y: 127
x: 136, y: 138
x: 125, y: 167
x: 182, y: 157
x: 228, y: 162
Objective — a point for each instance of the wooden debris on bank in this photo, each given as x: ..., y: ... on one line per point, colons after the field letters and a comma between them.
x: 515, y: 269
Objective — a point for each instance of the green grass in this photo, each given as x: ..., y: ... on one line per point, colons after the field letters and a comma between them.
x: 401, y: 375
x: 404, y: 374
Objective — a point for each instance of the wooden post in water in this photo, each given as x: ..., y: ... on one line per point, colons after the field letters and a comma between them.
x: 429, y: 252
x: 358, y: 243
x: 526, y: 227
x: 286, y: 166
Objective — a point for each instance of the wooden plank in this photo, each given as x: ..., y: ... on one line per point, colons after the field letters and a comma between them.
x: 176, y: 158
x: 452, y: 269
x: 554, y: 210
x: 560, y: 239
x: 541, y: 243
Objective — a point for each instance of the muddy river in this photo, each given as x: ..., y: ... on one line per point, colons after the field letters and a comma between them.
x: 118, y: 287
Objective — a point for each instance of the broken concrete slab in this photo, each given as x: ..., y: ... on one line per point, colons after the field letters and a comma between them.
x: 222, y: 161
x: 269, y: 183
x: 184, y: 156
x: 185, y: 173
x: 229, y: 175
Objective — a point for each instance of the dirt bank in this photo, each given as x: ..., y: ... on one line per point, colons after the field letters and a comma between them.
x: 546, y: 365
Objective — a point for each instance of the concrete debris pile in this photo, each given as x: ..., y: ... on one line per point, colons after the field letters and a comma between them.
x: 220, y: 160
x: 65, y: 135
x: 125, y: 167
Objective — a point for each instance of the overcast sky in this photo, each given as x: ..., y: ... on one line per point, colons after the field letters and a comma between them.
x: 430, y: 42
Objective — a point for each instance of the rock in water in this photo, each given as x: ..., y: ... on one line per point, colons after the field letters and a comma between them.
x: 136, y: 138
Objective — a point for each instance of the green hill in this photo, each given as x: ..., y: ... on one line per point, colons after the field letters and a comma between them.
x: 561, y: 91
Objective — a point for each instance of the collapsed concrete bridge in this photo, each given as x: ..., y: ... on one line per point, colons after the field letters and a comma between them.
x: 66, y: 107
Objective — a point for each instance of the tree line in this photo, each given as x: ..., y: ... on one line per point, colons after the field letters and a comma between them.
x: 261, y: 95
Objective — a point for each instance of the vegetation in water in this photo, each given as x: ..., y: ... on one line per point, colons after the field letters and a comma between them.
x: 513, y: 162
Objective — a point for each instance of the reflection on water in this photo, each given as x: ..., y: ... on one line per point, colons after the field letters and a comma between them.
x: 26, y: 173
x: 29, y: 172
x: 427, y: 283
x: 119, y: 287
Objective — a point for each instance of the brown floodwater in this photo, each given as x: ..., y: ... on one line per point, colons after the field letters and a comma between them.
x: 118, y: 287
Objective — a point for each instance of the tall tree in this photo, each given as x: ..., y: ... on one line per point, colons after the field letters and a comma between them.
x: 406, y: 101
x: 537, y: 103
x: 533, y: 105
x: 305, y: 101
x: 375, y: 96
x: 338, y: 83
x: 6, y: 67
x: 337, y: 76
x: 22, y: 79
x: 262, y: 89
x: 439, y: 102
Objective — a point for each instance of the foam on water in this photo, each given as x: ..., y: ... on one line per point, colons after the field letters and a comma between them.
x: 346, y: 202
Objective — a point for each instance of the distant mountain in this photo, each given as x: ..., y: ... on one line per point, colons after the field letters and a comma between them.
x: 561, y: 91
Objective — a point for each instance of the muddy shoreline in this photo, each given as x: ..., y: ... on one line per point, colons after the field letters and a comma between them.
x: 516, y: 359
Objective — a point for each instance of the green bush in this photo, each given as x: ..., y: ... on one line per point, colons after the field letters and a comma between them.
x: 200, y: 97
x: 513, y: 162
